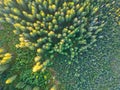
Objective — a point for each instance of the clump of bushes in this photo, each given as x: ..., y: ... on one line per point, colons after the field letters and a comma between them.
x: 52, y: 27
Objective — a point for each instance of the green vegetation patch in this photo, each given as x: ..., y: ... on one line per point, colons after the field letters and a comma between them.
x: 22, y: 61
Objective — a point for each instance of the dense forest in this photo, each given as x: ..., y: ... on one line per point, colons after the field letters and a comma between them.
x: 59, y: 45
